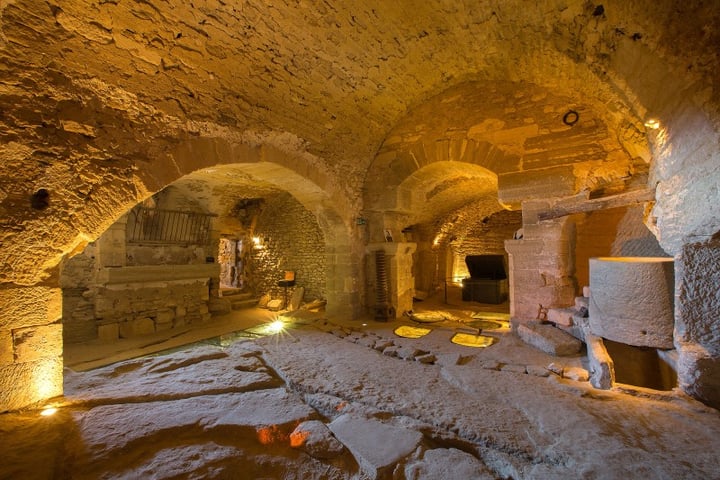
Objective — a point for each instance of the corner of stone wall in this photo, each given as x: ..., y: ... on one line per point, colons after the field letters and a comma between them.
x: 31, y: 346
x: 697, y: 320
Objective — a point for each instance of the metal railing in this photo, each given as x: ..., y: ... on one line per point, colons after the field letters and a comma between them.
x: 158, y: 226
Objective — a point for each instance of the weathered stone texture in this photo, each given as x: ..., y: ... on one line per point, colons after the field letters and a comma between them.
x: 632, y: 300
x: 292, y: 240
x: 697, y: 312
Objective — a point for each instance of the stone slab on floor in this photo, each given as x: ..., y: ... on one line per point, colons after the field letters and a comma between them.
x: 268, y: 415
x: 549, y: 339
x: 201, y: 370
x: 376, y: 446
x: 447, y: 463
x: 316, y: 439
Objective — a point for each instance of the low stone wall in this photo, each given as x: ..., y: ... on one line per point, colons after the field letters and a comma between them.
x: 134, y: 301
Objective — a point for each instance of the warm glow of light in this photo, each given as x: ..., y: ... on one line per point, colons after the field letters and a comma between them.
x: 652, y: 123
x: 407, y: 331
x: 49, y: 411
x: 271, y: 434
x: 476, y: 341
x: 257, y: 241
x: 47, y: 381
x: 297, y: 439
x: 276, y: 327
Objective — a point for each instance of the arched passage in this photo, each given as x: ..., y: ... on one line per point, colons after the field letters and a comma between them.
x: 38, y: 247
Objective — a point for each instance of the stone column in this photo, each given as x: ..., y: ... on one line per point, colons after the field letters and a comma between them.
x: 401, y: 282
x: 541, y: 264
x: 697, y: 320
x: 31, y: 345
x: 111, y: 251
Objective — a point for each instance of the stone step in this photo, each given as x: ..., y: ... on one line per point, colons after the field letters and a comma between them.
x: 549, y: 339
x: 561, y: 316
x: 228, y: 292
x: 244, y: 303
x: 582, y: 302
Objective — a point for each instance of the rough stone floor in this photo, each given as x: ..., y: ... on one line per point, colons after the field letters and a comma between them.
x: 342, y: 400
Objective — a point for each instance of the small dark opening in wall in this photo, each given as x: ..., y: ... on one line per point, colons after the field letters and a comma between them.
x: 599, y: 10
x: 40, y: 200
x: 641, y: 366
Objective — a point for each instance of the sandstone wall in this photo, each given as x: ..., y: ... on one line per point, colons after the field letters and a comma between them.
x: 291, y: 240
x: 613, y: 232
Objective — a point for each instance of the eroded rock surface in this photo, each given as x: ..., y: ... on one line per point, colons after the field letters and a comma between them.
x: 201, y: 413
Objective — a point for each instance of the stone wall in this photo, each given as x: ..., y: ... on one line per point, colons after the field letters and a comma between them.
x: 120, y: 289
x: 542, y: 264
x: 135, y: 301
x: 486, y: 237
x: 697, y: 310
x: 290, y: 240
x: 613, y: 232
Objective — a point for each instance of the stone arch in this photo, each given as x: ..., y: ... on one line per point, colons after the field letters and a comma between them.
x: 31, y: 295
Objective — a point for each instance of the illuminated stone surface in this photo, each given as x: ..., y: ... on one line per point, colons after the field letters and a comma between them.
x: 385, y: 115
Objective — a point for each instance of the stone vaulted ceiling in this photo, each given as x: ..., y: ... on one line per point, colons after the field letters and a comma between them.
x: 103, y: 100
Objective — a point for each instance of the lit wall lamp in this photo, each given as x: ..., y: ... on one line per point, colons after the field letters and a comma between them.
x: 258, y: 243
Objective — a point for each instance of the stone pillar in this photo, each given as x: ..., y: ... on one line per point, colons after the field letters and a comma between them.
x: 541, y: 265
x: 697, y: 320
x: 341, y: 282
x: 401, y: 282
x: 31, y: 345
x: 110, y: 246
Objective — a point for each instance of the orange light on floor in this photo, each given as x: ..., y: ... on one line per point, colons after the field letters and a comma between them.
x: 297, y: 439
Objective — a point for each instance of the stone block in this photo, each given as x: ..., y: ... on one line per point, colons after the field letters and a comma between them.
x: 549, y: 339
x: 699, y: 374
x: 27, y: 306
x: 377, y: 447
x: 632, y: 300
x: 602, y: 368
x: 576, y: 373
x: 137, y: 327
x: 23, y: 384
x: 7, y: 351
x: 561, y: 316
x: 448, y: 464
x: 110, y: 332
x: 582, y: 302
x: 35, y: 343
x: 316, y: 439
x: 164, y: 316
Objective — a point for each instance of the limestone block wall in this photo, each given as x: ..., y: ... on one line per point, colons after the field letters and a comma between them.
x: 31, y: 349
x: 291, y: 240
x: 541, y: 265
x: 486, y: 236
x: 697, y: 331
x: 171, y: 296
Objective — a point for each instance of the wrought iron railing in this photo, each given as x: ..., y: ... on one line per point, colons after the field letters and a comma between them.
x: 158, y: 226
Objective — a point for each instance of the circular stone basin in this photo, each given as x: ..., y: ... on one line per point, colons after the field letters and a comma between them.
x: 631, y: 300
x: 428, y: 317
x: 485, y: 324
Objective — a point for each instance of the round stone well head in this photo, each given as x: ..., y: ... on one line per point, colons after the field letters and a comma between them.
x: 631, y: 300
